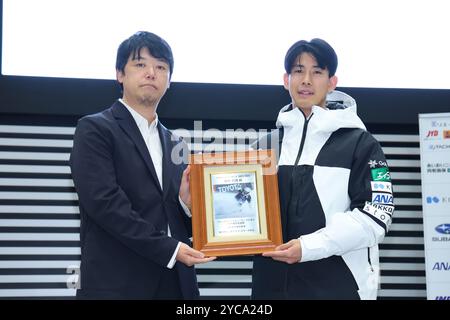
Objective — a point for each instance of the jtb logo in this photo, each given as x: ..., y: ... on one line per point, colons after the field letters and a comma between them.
x: 432, y: 133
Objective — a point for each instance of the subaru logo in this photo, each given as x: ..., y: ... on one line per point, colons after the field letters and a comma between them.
x: 443, y: 228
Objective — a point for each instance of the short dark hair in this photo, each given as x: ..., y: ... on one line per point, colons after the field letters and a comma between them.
x: 132, y: 46
x: 320, y: 49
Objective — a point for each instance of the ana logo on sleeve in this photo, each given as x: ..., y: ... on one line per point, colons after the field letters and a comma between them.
x: 381, y: 174
x: 383, y: 198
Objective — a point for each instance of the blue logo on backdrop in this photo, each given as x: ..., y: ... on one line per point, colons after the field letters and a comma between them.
x: 432, y: 199
x: 442, y: 298
x: 441, y: 266
x: 443, y: 228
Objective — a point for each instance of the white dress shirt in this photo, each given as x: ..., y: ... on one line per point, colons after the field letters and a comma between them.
x: 151, y: 137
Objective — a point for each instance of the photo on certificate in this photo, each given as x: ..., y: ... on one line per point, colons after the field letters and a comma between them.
x: 237, y: 208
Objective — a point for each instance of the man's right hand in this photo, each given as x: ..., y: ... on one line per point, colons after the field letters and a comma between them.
x: 190, y: 256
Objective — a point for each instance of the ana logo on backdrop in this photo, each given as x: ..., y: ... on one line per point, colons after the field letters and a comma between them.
x: 441, y: 266
x: 443, y: 228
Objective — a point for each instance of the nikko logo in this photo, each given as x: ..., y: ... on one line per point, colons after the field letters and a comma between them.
x: 381, y: 215
x: 383, y: 198
x: 441, y: 266
x: 382, y: 207
x: 381, y: 186
x: 443, y: 228
x: 381, y: 174
x: 432, y: 199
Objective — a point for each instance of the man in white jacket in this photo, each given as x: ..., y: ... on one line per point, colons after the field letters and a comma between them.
x: 335, y: 191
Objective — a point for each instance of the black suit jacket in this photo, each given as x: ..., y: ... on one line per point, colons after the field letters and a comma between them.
x: 124, y: 213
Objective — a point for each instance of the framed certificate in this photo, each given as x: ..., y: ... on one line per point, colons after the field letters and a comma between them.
x: 235, y: 203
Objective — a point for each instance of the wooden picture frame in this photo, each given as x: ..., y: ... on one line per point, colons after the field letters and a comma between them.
x: 235, y: 203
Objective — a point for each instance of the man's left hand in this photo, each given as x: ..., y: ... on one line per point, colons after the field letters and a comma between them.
x: 289, y: 252
x: 185, y: 193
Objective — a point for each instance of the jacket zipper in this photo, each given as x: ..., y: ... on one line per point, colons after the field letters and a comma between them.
x: 302, y: 142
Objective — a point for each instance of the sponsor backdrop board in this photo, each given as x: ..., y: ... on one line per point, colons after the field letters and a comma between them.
x: 39, y: 215
x: 435, y: 171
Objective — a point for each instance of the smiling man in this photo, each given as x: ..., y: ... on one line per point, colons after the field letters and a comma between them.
x: 134, y: 200
x: 335, y: 190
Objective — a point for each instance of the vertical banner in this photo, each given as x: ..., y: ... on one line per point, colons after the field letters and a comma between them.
x: 435, y: 173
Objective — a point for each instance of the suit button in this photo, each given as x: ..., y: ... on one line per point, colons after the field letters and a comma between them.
x: 163, y: 233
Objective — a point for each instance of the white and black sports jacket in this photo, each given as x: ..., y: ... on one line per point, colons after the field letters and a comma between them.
x: 336, y: 197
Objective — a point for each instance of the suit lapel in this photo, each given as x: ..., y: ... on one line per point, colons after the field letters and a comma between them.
x: 168, y: 165
x: 127, y: 123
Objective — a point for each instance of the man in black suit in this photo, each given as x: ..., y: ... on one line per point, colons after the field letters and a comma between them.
x: 133, y: 196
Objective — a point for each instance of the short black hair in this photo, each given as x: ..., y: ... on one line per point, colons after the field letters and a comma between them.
x: 320, y: 49
x: 132, y: 46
